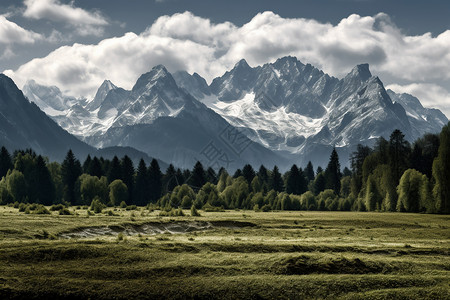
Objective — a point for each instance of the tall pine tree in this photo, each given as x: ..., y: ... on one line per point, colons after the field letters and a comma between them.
x: 248, y: 173
x: 198, y: 176
x: 45, y: 189
x: 70, y: 171
x: 293, y: 180
x: 115, y: 170
x: 170, y: 180
x: 399, y: 151
x: 141, y: 189
x: 155, y: 181
x: 95, y: 168
x: 319, y: 183
x: 276, y: 181
x: 87, y: 164
x: 211, y: 176
x: 309, y: 171
x: 333, y: 173
x: 5, y: 162
x: 357, y: 160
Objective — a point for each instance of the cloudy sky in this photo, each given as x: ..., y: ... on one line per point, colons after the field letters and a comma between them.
x: 77, y: 44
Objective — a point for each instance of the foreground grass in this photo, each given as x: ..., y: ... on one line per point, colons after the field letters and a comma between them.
x: 287, y: 255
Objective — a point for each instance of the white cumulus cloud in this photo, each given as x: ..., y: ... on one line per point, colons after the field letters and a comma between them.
x: 85, y: 22
x: 11, y: 33
x: 185, y: 41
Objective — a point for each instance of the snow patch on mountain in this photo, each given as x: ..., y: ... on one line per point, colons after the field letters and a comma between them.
x: 266, y: 127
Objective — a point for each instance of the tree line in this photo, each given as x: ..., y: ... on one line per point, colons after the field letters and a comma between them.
x: 390, y: 176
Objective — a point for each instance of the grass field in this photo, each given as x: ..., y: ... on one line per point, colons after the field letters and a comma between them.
x: 233, y: 254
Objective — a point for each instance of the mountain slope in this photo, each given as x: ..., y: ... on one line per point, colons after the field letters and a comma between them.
x: 50, y: 99
x: 421, y: 119
x: 24, y: 125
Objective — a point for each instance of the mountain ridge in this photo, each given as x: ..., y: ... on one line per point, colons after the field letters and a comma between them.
x: 290, y: 108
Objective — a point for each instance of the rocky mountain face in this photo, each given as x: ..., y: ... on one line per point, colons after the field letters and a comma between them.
x: 161, y: 119
x: 50, y: 99
x: 282, y: 113
x: 23, y: 125
x: 302, y: 112
x: 422, y: 119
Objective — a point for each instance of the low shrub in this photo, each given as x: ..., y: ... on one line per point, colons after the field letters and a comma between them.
x: 120, y: 237
x: 111, y: 213
x: 22, y: 207
x: 97, y: 206
x: 209, y: 208
x: 65, y: 211
x: 194, y: 211
x: 56, y: 207
x: 41, y: 210
x: 172, y: 213
x: 266, y: 208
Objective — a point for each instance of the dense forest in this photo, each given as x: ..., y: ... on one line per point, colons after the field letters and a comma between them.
x: 390, y: 176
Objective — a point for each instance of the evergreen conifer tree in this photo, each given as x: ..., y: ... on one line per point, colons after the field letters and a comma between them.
x: 319, y: 183
x: 293, y: 180
x: 333, y: 173
x: 5, y: 162
x: 309, y: 171
x: 170, y: 180
x: 155, y: 181
x: 141, y: 189
x: 45, y: 189
x: 248, y: 173
x: 211, y: 176
x: 237, y: 174
x: 115, y: 170
x: 399, y: 151
x: 95, y: 168
x: 87, y: 164
x: 70, y: 171
x: 276, y: 182
x: 198, y: 176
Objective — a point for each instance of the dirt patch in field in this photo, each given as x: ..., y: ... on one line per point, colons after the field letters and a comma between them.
x: 309, y: 265
x: 151, y: 229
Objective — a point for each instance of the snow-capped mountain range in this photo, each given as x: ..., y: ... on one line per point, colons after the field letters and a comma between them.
x: 288, y: 112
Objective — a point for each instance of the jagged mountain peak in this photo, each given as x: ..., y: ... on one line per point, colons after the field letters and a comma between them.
x: 101, y: 94
x: 158, y: 73
x: 194, y: 84
x: 287, y: 59
x: 287, y: 63
x: 361, y: 71
x: 242, y: 65
x: 107, y: 84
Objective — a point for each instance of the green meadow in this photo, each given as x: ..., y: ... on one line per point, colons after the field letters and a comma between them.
x: 117, y: 254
